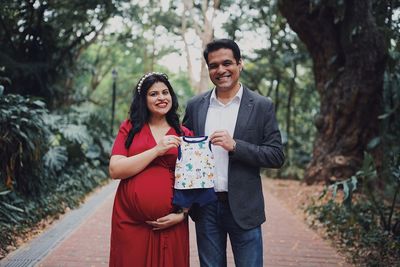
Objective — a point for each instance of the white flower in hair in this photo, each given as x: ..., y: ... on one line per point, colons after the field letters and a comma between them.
x: 147, y: 75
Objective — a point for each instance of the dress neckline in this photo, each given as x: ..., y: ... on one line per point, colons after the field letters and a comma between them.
x: 151, y: 133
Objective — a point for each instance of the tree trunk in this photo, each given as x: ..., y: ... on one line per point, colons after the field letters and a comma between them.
x: 187, y: 6
x: 203, y: 84
x: 277, y: 100
x: 203, y: 26
x: 206, y: 35
x: 289, y: 113
x: 153, y: 48
x: 349, y: 54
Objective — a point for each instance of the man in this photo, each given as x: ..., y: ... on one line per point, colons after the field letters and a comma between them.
x: 245, y: 136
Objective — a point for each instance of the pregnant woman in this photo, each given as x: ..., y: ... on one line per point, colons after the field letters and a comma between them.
x: 145, y: 229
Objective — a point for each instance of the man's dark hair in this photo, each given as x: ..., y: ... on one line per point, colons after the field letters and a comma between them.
x: 222, y: 43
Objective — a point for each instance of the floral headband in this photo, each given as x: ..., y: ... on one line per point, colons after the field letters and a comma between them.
x: 147, y: 75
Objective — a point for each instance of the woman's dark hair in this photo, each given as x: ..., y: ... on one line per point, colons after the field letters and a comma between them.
x: 222, y: 43
x: 139, y: 113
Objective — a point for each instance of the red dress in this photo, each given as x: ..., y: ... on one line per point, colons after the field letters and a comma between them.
x: 146, y: 197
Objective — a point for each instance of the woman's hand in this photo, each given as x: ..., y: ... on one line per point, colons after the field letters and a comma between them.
x: 167, y: 221
x: 166, y: 143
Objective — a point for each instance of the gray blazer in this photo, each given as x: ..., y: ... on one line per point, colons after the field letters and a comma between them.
x: 258, y: 144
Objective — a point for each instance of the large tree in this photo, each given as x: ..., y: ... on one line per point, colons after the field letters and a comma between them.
x: 348, y: 50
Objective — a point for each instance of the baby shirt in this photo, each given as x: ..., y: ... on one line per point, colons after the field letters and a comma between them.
x: 195, y: 167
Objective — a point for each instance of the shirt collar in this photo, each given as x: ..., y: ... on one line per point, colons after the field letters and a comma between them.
x: 237, y: 98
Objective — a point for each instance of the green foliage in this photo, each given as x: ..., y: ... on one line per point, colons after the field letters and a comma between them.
x: 56, y: 158
x: 366, y: 225
x: 49, y: 162
x: 348, y: 186
x: 40, y: 41
x: 23, y: 142
x: 95, y: 89
x: 358, y: 233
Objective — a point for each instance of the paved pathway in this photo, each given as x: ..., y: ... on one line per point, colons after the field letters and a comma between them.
x: 287, y: 240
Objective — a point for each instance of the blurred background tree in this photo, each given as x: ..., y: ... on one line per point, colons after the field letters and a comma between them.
x: 40, y: 42
x: 346, y: 41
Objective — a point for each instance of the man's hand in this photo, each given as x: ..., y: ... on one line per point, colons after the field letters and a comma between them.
x: 223, y: 139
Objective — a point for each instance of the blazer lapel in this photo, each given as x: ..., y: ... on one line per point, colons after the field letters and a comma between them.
x: 202, y: 113
x: 245, y: 109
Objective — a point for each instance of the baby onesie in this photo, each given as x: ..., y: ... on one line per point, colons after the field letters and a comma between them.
x: 194, y: 172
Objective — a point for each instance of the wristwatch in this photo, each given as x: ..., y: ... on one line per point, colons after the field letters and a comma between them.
x: 179, y: 210
x: 234, y: 146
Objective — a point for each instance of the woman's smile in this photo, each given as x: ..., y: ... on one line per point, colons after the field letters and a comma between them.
x: 159, y: 100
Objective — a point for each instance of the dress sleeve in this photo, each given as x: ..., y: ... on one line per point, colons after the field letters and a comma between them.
x: 119, y: 142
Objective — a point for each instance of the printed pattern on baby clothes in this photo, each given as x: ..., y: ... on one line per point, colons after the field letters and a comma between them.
x: 195, y: 167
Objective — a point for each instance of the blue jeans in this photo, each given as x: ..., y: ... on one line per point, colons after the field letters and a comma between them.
x: 213, y: 224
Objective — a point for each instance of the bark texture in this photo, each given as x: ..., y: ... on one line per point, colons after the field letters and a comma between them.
x: 203, y: 26
x: 348, y: 53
